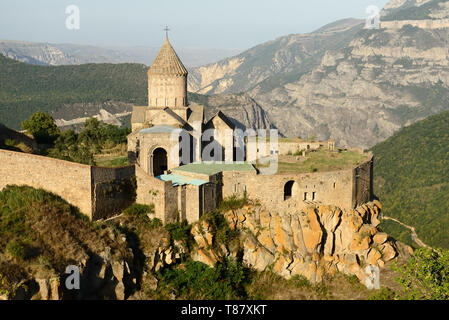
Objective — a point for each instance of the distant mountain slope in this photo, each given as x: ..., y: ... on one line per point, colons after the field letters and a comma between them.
x: 357, y: 86
x: 414, y: 10
x: 70, y: 92
x: 411, y: 172
x: 26, y: 88
x: 277, y: 62
x: 361, y: 94
x: 68, y: 54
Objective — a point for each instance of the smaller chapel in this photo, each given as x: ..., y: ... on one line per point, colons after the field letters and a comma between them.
x: 168, y: 132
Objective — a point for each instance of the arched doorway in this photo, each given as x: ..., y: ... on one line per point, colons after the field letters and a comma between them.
x: 291, y: 189
x: 159, y: 159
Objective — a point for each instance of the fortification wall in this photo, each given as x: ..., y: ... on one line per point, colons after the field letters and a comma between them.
x: 193, y: 205
x: 211, y: 196
x: 345, y: 188
x: 170, y: 202
x: 69, y: 180
x: 284, y: 148
x: 424, y: 24
x: 150, y: 191
x: 114, y: 189
x: 363, y: 182
x: 97, y: 192
x: 171, y: 212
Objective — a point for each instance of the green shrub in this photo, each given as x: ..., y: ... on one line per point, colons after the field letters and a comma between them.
x: 179, y: 230
x: 426, y: 275
x: 233, y: 202
x: 15, y: 249
x: 300, y: 281
x: 196, y: 280
x: 155, y: 223
x: 383, y: 294
x: 137, y: 209
x: 223, y: 234
x: 3, y: 286
x: 42, y: 126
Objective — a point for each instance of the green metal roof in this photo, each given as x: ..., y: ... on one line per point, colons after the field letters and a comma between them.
x: 158, y: 129
x: 211, y: 168
x: 179, y: 180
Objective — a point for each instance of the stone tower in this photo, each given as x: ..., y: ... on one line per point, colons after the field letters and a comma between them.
x: 167, y: 80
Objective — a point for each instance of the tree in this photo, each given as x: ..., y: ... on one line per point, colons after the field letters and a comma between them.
x: 426, y: 275
x: 42, y: 126
x: 92, y: 135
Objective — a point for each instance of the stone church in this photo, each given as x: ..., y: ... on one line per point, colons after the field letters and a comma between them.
x: 168, y: 132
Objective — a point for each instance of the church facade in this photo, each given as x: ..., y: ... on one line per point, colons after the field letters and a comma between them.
x: 169, y: 131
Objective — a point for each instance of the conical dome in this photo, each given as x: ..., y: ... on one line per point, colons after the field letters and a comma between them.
x: 167, y: 62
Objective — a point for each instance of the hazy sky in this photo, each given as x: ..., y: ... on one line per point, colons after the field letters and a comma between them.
x: 193, y: 23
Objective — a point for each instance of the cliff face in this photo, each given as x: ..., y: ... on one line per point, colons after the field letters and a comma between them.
x: 360, y: 93
x: 286, y: 57
x: 314, y: 242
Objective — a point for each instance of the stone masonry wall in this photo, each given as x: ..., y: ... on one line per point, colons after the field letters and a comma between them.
x: 114, y: 189
x: 345, y: 188
x: 97, y: 192
x: 149, y: 191
x: 69, y: 180
x: 363, y: 183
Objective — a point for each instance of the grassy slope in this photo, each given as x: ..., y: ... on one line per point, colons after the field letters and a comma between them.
x: 412, y: 179
x: 41, y: 234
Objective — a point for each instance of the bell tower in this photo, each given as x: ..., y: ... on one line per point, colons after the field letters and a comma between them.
x: 167, y: 79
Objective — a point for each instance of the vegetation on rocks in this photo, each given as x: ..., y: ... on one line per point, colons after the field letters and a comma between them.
x: 197, y: 281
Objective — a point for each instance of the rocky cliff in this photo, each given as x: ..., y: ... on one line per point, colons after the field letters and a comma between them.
x: 126, y: 257
x: 314, y: 242
x: 279, y: 60
x: 359, y: 94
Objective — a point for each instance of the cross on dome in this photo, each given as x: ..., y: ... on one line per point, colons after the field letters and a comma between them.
x: 166, y: 29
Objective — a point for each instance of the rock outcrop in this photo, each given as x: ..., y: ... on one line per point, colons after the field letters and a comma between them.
x: 312, y: 242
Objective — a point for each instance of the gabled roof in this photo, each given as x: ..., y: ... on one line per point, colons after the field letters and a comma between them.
x: 138, y: 114
x: 167, y: 62
x: 197, y: 114
x: 177, y: 118
x: 223, y: 117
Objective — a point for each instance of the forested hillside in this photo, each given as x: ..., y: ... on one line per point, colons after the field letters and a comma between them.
x: 412, y: 179
x: 26, y: 88
x: 82, y: 90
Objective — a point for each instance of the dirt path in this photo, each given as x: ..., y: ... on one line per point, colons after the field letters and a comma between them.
x: 414, y: 236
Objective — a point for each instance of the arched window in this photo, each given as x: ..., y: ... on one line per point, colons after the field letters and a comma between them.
x: 159, y: 159
x: 288, y: 187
